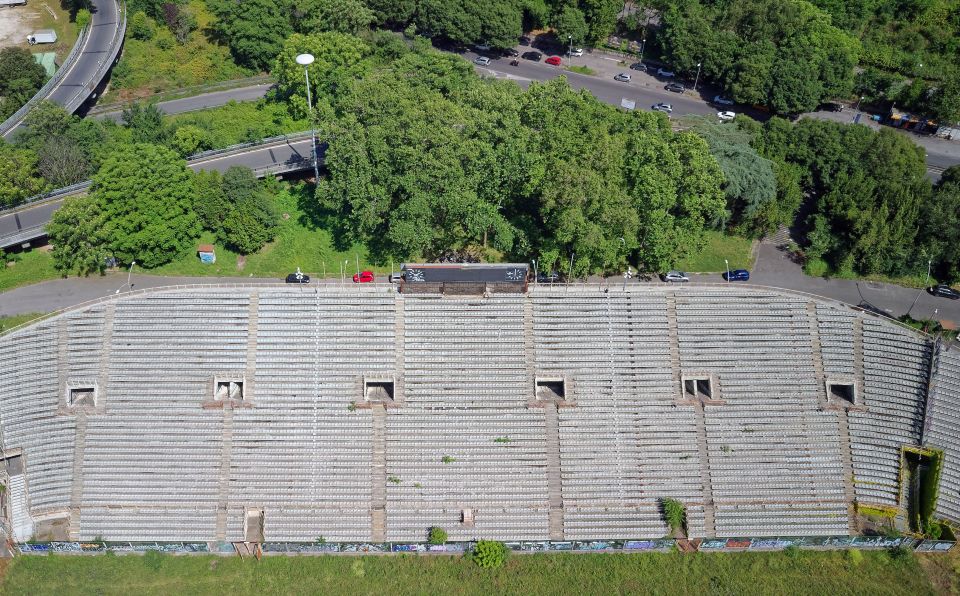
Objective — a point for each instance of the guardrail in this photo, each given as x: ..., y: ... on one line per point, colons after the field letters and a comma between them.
x: 183, y: 93
x: 200, y: 157
x: 13, y: 121
x: 57, y: 193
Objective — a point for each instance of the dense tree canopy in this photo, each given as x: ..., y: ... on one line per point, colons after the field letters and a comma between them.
x: 79, y: 240
x: 20, y: 78
x: 19, y: 175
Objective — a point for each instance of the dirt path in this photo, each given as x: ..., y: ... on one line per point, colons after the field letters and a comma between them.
x: 15, y: 24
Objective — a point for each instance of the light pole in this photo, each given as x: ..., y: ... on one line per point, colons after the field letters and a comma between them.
x: 643, y: 44
x: 929, y: 264
x: 536, y: 274
x: 129, y: 272
x: 570, y: 51
x: 306, y: 60
x: 857, y: 109
x: 697, y: 80
x: 727, y: 263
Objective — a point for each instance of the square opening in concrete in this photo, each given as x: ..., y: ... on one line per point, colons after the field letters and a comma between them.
x: 697, y: 388
x: 225, y: 390
x: 842, y: 393
x: 82, y: 396
x: 378, y: 390
x: 554, y: 389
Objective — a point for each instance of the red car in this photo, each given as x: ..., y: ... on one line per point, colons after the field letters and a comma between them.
x: 364, y: 277
x: 554, y: 60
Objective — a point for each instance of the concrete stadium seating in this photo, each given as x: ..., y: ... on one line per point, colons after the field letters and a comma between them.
x: 466, y: 424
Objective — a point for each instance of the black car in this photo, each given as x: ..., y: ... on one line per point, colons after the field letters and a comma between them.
x: 944, y: 291
x: 548, y: 278
x: 525, y: 40
x: 639, y: 66
x: 298, y: 278
x: 675, y: 87
x: 511, y: 52
x: 832, y: 106
x: 535, y: 56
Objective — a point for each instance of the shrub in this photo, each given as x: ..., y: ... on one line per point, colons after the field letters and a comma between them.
x: 900, y: 553
x: 673, y: 513
x: 83, y: 18
x: 447, y: 459
x: 141, y: 26
x: 489, y: 554
x: 437, y: 535
x: 854, y: 557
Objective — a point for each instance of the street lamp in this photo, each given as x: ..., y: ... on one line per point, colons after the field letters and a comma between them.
x: 570, y: 51
x: 697, y: 80
x: 857, y: 109
x: 536, y: 274
x: 129, y: 272
x: 727, y: 263
x: 929, y: 264
x: 643, y: 44
x: 306, y: 60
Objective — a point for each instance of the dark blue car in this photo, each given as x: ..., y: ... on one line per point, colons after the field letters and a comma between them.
x: 737, y: 275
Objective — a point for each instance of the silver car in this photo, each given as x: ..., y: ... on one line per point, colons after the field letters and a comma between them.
x: 623, y: 77
x: 481, y: 60
x: 675, y: 276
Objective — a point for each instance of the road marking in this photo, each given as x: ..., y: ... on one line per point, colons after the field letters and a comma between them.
x: 613, y: 59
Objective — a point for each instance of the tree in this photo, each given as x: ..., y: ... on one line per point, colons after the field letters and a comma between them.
x: 940, y: 230
x: 19, y: 175
x: 141, y: 26
x: 76, y: 232
x: 145, y: 193
x: 674, y: 513
x: 20, y: 78
x: 179, y: 21
x: 437, y: 535
x: 189, y: 140
x: 83, y: 18
x: 392, y: 13
x: 250, y: 219
x: 146, y: 123
x: 571, y: 24
x: 342, y: 16
x: 601, y: 16
x: 210, y: 202
x: 489, y: 554
x: 255, y: 30
x: 62, y: 162
x: 337, y: 62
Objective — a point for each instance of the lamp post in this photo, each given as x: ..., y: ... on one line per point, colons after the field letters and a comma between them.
x: 129, y: 273
x: 536, y: 274
x: 306, y: 60
x: 727, y: 264
x: 857, y: 109
x: 929, y: 264
x: 570, y: 51
x: 697, y: 80
x: 643, y: 44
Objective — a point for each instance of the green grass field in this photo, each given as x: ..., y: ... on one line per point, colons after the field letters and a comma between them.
x: 12, y: 321
x: 826, y: 573
x: 719, y: 246
x: 33, y: 266
x: 300, y: 242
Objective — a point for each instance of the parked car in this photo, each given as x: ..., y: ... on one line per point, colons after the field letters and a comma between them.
x: 481, y: 60
x: 511, y: 52
x: 396, y: 278
x: 548, y: 278
x: 42, y: 36
x: 553, y: 60
x: 722, y: 101
x: 482, y: 47
x: 623, y: 77
x: 737, y: 275
x: 577, y: 52
x: 675, y: 87
x: 663, y: 107
x: 525, y: 40
x: 726, y: 116
x: 831, y: 106
x: 675, y: 276
x: 667, y: 74
x: 298, y: 278
x: 639, y: 66
x: 944, y: 291
x: 364, y: 277
x: 535, y: 56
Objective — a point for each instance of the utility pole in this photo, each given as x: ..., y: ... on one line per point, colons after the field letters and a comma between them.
x: 697, y: 80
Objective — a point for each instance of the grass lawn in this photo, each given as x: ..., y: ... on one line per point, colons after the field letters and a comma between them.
x: 582, y: 70
x: 827, y: 572
x: 161, y: 64
x: 12, y: 321
x: 240, y: 122
x: 300, y: 242
x: 718, y: 247
x: 34, y: 266
x: 820, y: 268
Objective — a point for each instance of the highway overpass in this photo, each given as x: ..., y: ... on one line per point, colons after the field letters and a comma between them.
x: 85, y: 67
x: 280, y: 155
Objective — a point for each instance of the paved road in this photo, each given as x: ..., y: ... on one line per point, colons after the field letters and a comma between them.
x: 84, y: 72
x: 200, y: 102
x: 773, y: 269
x: 286, y: 155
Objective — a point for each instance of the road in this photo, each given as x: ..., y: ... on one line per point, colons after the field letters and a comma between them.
x: 278, y: 156
x: 773, y: 269
x: 84, y: 73
x: 199, y: 102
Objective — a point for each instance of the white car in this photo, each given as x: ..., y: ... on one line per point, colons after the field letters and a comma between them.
x: 481, y: 60
x: 482, y: 47
x: 622, y: 77
x: 577, y: 52
x: 675, y: 276
x: 663, y: 107
x: 667, y: 74
x: 726, y: 116
x: 722, y: 101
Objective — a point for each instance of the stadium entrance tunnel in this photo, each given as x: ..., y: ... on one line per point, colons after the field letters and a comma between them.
x: 844, y: 394
x: 697, y: 388
x: 378, y: 391
x: 919, y: 482
x: 551, y: 389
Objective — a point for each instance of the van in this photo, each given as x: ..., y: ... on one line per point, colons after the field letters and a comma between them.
x: 42, y: 36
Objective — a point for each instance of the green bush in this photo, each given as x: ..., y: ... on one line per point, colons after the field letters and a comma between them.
x: 83, y: 18
x: 673, y: 513
x: 437, y: 535
x: 816, y: 268
x: 489, y: 554
x: 854, y: 557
